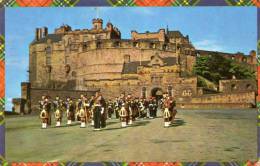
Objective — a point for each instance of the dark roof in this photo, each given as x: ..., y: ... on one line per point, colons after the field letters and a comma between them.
x: 174, y: 34
x: 170, y: 61
x: 52, y: 37
x: 131, y: 67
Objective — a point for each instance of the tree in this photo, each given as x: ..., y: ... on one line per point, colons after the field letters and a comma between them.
x: 217, y: 67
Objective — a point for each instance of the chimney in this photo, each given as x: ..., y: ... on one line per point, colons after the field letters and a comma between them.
x: 36, y: 34
x: 44, y: 31
x: 39, y: 34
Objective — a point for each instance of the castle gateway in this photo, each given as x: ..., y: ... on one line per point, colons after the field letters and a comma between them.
x: 148, y: 64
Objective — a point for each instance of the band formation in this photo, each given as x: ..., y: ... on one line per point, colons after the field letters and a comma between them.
x: 94, y: 111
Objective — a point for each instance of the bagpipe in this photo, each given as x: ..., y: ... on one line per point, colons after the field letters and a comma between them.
x: 58, y: 114
x: 83, y: 117
x: 44, y: 116
x: 70, y: 112
x: 82, y: 113
x: 123, y: 115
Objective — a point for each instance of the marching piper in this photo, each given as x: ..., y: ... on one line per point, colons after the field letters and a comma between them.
x: 150, y: 108
x: 135, y: 108
x: 129, y: 111
x: 123, y: 115
x: 99, y: 112
x: 173, y: 110
x: 57, y: 105
x: 87, y: 109
x: 82, y: 111
x: 117, y: 107
x: 110, y: 108
x: 70, y: 110
x: 168, y: 106
x: 141, y: 108
x: 43, y: 114
x: 48, y: 109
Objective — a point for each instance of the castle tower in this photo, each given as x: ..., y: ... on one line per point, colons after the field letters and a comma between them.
x: 97, y: 23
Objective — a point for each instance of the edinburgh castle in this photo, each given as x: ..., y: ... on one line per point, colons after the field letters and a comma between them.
x: 70, y: 62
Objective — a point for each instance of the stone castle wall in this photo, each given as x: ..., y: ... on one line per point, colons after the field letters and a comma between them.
x: 228, y: 86
x: 101, y: 63
x: 221, y: 100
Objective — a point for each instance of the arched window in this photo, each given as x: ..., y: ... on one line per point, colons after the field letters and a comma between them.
x: 143, y: 92
x: 233, y: 87
x: 248, y: 86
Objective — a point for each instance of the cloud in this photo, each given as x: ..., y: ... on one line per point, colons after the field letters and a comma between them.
x: 143, y: 11
x: 210, y: 45
x: 9, y: 99
x: 8, y: 104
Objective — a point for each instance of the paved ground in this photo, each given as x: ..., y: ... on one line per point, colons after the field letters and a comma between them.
x: 224, y: 135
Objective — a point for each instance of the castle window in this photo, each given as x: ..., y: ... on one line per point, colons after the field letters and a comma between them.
x: 165, y: 47
x: 233, y: 87
x: 117, y: 44
x: 85, y: 46
x: 244, y: 59
x: 126, y: 58
x: 178, y: 47
x: 152, y: 45
x: 248, y: 86
x: 170, y: 90
x: 135, y: 44
x: 48, y: 50
x: 73, y: 74
x: 143, y: 92
x: 98, y: 44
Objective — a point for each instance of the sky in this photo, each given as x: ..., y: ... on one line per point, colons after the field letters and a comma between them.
x: 211, y: 28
